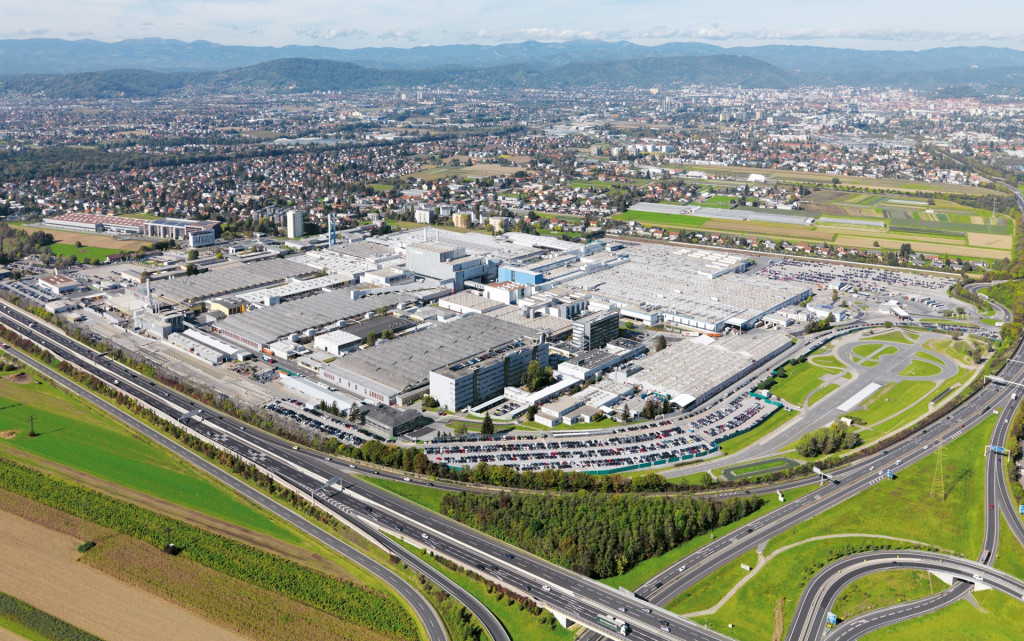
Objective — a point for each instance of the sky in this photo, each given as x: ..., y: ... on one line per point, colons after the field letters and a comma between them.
x: 348, y: 24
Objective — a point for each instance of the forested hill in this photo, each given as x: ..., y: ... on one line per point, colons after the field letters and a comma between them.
x: 304, y: 75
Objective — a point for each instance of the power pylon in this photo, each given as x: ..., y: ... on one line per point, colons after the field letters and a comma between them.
x: 939, y: 478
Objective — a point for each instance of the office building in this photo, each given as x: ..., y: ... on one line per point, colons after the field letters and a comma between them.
x: 293, y: 218
x: 596, y: 330
x: 483, y: 376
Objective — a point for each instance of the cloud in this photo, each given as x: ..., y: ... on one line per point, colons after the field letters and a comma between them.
x: 78, y: 34
x: 331, y: 34
x: 399, y: 34
x: 33, y: 31
x: 886, y: 35
x: 543, y: 34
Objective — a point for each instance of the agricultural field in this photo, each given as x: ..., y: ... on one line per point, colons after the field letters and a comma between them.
x: 41, y: 568
x: 73, y: 434
x: 788, y: 176
x: 942, y: 228
x: 90, y: 240
x: 669, y: 221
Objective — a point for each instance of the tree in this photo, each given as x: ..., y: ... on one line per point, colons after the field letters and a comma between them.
x: 651, y: 408
x: 531, y: 412
x: 666, y: 406
x: 191, y: 270
x: 624, y: 413
x: 355, y: 415
x: 429, y: 402
x: 193, y: 254
x: 460, y: 429
x: 371, y: 339
x: 660, y: 343
x: 488, y: 425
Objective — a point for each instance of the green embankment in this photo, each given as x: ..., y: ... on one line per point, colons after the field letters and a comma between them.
x: 1010, y: 555
x: 882, y: 589
x: 957, y: 522
x: 1000, y: 618
x: 521, y: 624
x: 646, y: 570
x: 751, y: 610
x: 77, y: 435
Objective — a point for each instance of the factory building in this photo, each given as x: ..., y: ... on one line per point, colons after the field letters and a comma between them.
x: 596, y: 330
x: 58, y: 284
x: 259, y: 328
x: 93, y: 223
x: 694, y: 370
x: 198, y: 233
x: 449, y: 265
x: 398, y: 371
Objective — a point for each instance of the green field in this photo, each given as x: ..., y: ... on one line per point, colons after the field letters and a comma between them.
x: 892, y: 400
x: 1000, y: 618
x: 921, y: 368
x: 873, y: 351
x: 671, y: 221
x: 800, y: 381
x: 751, y: 610
x: 77, y: 435
x: 956, y: 523
x: 882, y: 589
x: 1010, y: 554
x: 83, y: 253
x: 699, y: 598
x: 895, y: 336
x: 428, y: 497
x: 822, y: 393
x: 765, y: 427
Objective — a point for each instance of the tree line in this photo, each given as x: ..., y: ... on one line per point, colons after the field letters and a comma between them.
x: 596, y: 535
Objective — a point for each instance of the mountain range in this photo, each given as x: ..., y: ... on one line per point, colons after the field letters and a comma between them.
x: 84, y: 68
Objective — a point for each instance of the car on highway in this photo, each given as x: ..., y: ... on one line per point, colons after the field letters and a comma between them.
x: 665, y: 628
x: 546, y: 588
x: 424, y: 535
x: 509, y: 556
x: 406, y: 479
x: 682, y: 568
x: 622, y: 608
x: 991, y: 506
x: 645, y: 610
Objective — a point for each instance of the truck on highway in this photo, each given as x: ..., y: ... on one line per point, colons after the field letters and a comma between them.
x: 613, y: 623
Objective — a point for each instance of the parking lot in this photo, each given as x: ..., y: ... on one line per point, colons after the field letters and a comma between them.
x: 649, y: 442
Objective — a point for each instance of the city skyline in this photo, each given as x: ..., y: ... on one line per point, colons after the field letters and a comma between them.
x: 912, y: 25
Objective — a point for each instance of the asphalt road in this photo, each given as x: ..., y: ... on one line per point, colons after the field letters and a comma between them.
x: 809, y: 620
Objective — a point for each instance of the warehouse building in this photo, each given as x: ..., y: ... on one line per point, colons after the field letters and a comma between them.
x: 694, y: 370
x: 198, y: 233
x: 59, y: 284
x: 398, y: 371
x: 229, y: 279
x: 93, y: 223
x: 690, y: 291
x: 259, y: 328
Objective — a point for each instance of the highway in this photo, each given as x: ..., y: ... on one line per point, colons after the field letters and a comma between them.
x: 367, y: 508
x: 809, y: 620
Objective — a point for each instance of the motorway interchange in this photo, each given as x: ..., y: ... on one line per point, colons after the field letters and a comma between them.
x: 373, y: 512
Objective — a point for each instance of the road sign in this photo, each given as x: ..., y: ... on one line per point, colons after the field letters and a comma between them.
x: 816, y: 469
x: 997, y: 449
x: 890, y: 474
x: 1022, y: 509
x: 832, y: 619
